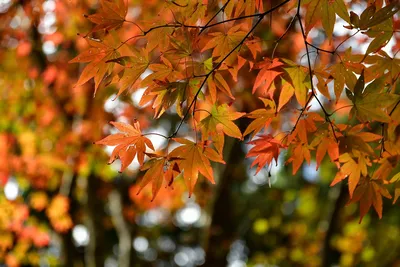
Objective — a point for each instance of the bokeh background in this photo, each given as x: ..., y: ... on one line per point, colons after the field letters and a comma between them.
x: 62, y: 205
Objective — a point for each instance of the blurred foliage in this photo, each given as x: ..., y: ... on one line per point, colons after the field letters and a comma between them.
x: 60, y: 204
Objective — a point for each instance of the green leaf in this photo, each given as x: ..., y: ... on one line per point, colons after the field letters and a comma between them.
x: 366, y: 16
x: 372, y: 106
x: 359, y: 87
x: 223, y: 116
x: 328, y: 17
x: 341, y: 10
x: 383, y: 14
x: 301, y: 83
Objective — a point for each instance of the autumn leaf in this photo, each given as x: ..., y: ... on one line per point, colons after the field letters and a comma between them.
x: 286, y: 94
x: 369, y: 193
x: 300, y: 152
x: 164, y: 95
x: 134, y: 66
x: 300, y: 81
x: 194, y: 159
x: 356, y: 140
x: 326, y: 144
x: 158, y: 170
x: 216, y: 82
x: 110, y: 16
x: 98, y: 56
x: 267, y: 75
x: 370, y: 106
x: 222, y: 116
x: 262, y: 117
x: 223, y: 43
x: 342, y: 76
x: 266, y: 148
x: 396, y: 180
x: 354, y: 168
x: 130, y: 143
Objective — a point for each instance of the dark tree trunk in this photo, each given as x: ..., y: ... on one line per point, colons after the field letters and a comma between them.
x: 223, y: 227
x: 95, y: 253
x: 331, y: 255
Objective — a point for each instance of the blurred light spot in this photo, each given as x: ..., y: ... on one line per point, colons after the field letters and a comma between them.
x: 261, y: 178
x: 11, y: 189
x: 110, y: 262
x: 15, y: 22
x: 157, y: 140
x: 49, y: 48
x: 189, y: 214
x: 49, y: 19
x: 80, y: 235
x: 4, y: 5
x: 111, y: 103
x: 310, y: 173
x: 12, y: 42
x: 249, y: 187
x: 49, y: 6
x: 181, y: 259
x: 134, y: 12
x: 261, y: 226
x: 200, y: 256
x: 153, y: 217
x: 150, y: 254
x: 136, y: 96
x: 140, y: 244
x: 166, y: 244
x: 238, y: 253
x: 237, y: 263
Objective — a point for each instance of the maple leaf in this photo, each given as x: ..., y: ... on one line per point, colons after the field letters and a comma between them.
x: 300, y: 81
x: 286, y: 94
x: 266, y: 148
x: 164, y: 95
x: 300, y: 152
x: 342, y: 75
x: 129, y: 143
x: 221, y: 117
x: 353, y: 168
x: 222, y: 43
x: 355, y: 140
x: 369, y: 193
x: 159, y: 169
x: 110, y: 16
x: 370, y: 106
x: 262, y: 117
x: 305, y: 125
x: 326, y: 11
x: 194, y: 158
x: 99, y: 54
x: 326, y: 144
x: 396, y: 180
x: 216, y: 81
x: 267, y: 75
x: 134, y: 66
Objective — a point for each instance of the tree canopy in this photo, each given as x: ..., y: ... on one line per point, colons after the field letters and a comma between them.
x: 293, y: 103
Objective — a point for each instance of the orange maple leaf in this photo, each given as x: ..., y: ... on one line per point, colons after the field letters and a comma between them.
x: 111, y: 15
x: 267, y: 75
x: 194, y: 158
x: 369, y: 193
x: 98, y: 55
x: 158, y: 170
x: 266, y: 148
x: 129, y: 143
